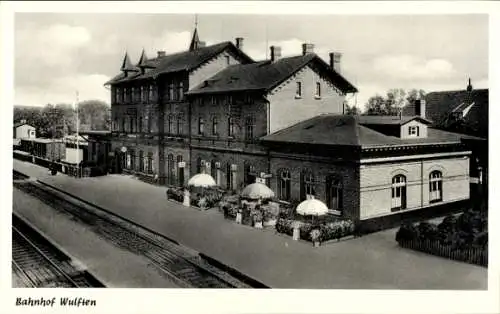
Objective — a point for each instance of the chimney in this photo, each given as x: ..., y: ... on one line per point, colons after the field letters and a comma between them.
x: 275, y: 53
x: 335, y: 61
x: 161, y: 53
x: 307, y: 49
x: 420, y: 108
x: 239, y: 43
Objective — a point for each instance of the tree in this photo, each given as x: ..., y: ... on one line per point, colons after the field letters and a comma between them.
x: 376, y: 106
x: 396, y: 99
x: 352, y: 110
x: 94, y: 115
x: 60, y: 119
x: 411, y: 96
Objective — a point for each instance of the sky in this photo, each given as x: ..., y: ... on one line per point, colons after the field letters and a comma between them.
x: 59, y: 53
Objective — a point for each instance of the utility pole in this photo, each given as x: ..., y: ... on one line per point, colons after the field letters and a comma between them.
x: 77, y: 137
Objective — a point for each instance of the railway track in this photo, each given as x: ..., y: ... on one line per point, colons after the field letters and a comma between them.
x: 180, y: 264
x: 37, y: 263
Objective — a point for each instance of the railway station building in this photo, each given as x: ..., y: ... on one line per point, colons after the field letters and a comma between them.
x: 281, y: 121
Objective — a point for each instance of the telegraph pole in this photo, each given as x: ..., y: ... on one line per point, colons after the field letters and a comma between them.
x: 77, y: 137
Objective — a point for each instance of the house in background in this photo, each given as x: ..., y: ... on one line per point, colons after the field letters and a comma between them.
x: 23, y: 130
x: 462, y: 111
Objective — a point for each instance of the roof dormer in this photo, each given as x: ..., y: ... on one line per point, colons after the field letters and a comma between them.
x: 143, y: 62
x: 127, y: 65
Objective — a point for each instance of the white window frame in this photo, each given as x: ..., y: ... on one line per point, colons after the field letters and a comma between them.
x: 398, y: 184
x: 413, y: 130
x: 436, y: 186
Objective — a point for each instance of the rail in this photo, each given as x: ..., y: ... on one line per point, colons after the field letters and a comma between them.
x: 185, y: 267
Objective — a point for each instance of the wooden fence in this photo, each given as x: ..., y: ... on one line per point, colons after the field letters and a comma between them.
x: 472, y: 255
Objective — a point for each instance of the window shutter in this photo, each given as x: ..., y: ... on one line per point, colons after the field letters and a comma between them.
x: 418, y: 131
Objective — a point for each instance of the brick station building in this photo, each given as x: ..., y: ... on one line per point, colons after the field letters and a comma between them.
x: 280, y: 121
x: 366, y: 167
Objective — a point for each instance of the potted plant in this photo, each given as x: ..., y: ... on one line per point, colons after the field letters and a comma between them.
x: 315, y: 237
x: 239, y: 216
x: 296, y: 229
x: 202, y: 202
x: 257, y: 218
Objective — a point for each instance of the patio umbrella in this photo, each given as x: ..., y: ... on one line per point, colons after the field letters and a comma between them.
x: 312, y: 207
x: 257, y: 191
x: 202, y: 180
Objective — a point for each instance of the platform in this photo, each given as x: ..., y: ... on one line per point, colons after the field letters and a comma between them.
x: 114, y: 267
x: 374, y: 261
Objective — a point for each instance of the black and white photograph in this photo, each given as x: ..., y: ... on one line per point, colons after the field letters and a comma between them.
x: 266, y: 150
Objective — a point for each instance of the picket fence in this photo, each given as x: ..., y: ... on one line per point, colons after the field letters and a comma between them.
x: 477, y: 256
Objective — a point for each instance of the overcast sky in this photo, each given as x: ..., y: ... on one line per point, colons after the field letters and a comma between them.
x: 56, y: 54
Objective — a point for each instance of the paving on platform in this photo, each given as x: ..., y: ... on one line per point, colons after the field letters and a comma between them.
x: 113, y: 266
x: 373, y: 261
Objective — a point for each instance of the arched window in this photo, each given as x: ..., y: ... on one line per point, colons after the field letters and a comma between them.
x: 150, y: 163
x: 213, y: 170
x: 171, y: 124
x: 180, y: 124
x: 141, y: 161
x: 132, y: 159
x: 250, y: 125
x: 171, y: 169
x: 249, y: 173
x: 198, y: 165
x: 306, y: 185
x: 230, y: 131
x: 231, y: 176
x: 118, y: 95
x: 318, y: 89
x: 284, y: 186
x: 398, y: 193
x: 334, y: 193
x: 151, y: 93
x: 201, y: 126
x: 180, y: 91
x: 435, y: 186
x: 180, y: 171
x: 215, y: 124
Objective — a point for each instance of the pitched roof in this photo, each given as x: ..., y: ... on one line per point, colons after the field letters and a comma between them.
x: 126, y: 64
x: 440, y: 106
x: 18, y: 124
x: 181, y: 61
x: 389, y: 120
x: 265, y: 75
x: 195, y: 41
x: 347, y: 130
x: 143, y: 60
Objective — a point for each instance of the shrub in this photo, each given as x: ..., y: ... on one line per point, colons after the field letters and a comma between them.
x: 315, y: 235
x: 481, y: 240
x: 284, y: 226
x: 337, y: 229
x: 176, y: 194
x: 406, y: 232
x: 427, y: 231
